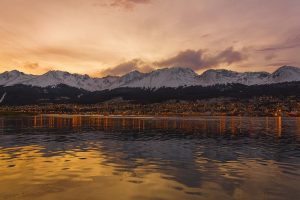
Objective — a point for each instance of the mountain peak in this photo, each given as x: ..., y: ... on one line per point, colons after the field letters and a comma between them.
x: 286, y: 68
x: 165, y: 77
x: 134, y: 73
x: 14, y: 77
x: 127, y: 78
x: 286, y: 74
x: 57, y: 72
x: 14, y: 72
x: 175, y: 72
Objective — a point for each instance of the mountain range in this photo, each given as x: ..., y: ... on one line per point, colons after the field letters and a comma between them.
x: 161, y: 78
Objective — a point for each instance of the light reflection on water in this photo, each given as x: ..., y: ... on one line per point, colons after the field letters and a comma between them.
x: 92, y: 157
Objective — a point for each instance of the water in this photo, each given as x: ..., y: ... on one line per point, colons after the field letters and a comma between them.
x: 93, y: 157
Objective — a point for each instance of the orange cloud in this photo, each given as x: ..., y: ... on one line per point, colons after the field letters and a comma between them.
x: 34, y: 68
x: 128, y: 4
x: 123, y: 68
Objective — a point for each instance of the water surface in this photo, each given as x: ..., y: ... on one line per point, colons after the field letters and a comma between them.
x: 94, y: 157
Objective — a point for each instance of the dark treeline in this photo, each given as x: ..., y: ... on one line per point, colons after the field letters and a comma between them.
x: 28, y: 95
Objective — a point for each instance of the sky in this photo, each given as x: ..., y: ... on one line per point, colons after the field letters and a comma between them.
x: 114, y: 37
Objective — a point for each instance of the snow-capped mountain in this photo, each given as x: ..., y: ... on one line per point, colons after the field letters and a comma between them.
x: 54, y: 78
x: 214, y: 77
x: 127, y: 79
x: 173, y: 77
x: 14, y: 77
x: 167, y: 77
x: 285, y: 74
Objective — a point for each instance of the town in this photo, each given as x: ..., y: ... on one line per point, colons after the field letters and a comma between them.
x: 260, y: 106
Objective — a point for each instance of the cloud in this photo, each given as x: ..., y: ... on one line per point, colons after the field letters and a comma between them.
x: 35, y: 67
x: 123, y: 68
x: 280, y: 47
x: 228, y: 56
x: 281, y: 63
x: 68, y: 53
x: 194, y: 59
x: 31, y: 66
x: 270, y: 56
x: 188, y: 58
x: 290, y: 43
x: 198, y: 59
x: 128, y: 4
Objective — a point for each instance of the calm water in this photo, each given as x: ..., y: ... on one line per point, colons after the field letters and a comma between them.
x: 92, y: 157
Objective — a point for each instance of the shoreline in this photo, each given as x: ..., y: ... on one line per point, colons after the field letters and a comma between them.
x: 170, y: 115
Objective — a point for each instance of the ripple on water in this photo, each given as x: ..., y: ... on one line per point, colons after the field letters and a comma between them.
x: 76, y: 157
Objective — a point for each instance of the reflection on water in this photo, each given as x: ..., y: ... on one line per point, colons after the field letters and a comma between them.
x: 92, y: 157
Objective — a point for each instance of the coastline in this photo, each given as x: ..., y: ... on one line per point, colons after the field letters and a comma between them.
x: 169, y: 115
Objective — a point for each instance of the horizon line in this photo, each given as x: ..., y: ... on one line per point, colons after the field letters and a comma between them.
x: 214, y: 69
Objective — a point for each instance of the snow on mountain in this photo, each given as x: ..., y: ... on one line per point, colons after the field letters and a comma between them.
x: 167, y: 77
x: 3, y: 97
x: 14, y: 77
x: 253, y: 78
x: 213, y: 77
x: 127, y: 79
x: 106, y: 82
x: 285, y: 74
x: 54, y: 78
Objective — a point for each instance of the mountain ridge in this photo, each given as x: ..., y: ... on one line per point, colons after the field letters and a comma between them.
x: 160, y: 78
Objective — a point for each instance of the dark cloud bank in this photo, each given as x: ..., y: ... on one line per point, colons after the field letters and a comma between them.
x: 123, y: 68
x: 198, y: 59
x: 194, y: 59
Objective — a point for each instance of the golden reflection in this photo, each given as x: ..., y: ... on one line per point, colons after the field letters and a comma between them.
x: 76, y: 121
x: 134, y: 123
x: 233, y: 125
x: 34, y: 121
x: 1, y: 125
x: 77, y: 175
x: 29, y: 163
x: 298, y: 125
x: 267, y: 124
x: 240, y: 123
x: 251, y: 126
x: 123, y: 123
x: 34, y: 172
x: 279, y: 126
x: 222, y: 124
x: 139, y: 123
x: 205, y: 124
x: 106, y: 123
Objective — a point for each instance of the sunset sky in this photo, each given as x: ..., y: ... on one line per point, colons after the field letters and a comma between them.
x: 100, y: 37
